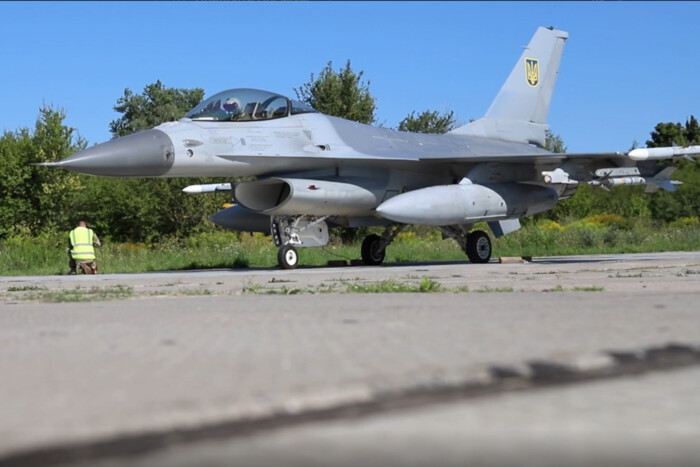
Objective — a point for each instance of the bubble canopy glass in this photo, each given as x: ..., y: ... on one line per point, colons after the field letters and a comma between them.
x: 244, y: 104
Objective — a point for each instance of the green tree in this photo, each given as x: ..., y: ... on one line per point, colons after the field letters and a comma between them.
x: 554, y: 143
x: 151, y: 208
x: 628, y: 202
x: 156, y: 105
x: 685, y: 202
x: 341, y: 94
x: 633, y: 202
x: 692, y: 130
x: 147, y: 210
x: 15, y: 174
x: 675, y: 134
x: 57, y: 189
x: 428, y: 122
x: 35, y: 199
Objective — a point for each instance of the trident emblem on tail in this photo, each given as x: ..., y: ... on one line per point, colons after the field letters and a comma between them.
x: 532, y: 71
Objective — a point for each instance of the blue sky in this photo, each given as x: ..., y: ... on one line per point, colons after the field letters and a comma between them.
x: 626, y: 67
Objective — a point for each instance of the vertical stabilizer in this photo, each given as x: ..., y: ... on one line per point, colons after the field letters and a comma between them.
x: 519, y: 111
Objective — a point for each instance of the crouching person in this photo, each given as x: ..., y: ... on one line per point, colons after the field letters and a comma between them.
x: 81, y: 249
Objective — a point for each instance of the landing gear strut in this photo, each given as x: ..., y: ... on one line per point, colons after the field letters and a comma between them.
x: 477, y: 244
x: 290, y: 232
x: 374, y: 246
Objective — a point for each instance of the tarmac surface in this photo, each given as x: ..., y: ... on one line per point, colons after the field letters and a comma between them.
x: 557, y: 361
x: 647, y: 420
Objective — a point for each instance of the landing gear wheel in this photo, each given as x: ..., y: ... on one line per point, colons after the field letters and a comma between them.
x: 287, y: 257
x: 372, y: 252
x: 478, y: 247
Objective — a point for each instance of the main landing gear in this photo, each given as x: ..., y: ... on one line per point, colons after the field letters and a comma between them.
x: 374, y: 246
x: 478, y: 247
x: 292, y: 232
x: 373, y: 250
x: 305, y: 231
x: 477, y: 244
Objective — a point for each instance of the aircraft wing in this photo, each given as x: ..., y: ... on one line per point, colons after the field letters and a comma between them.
x: 579, y: 165
x: 635, y: 155
x: 534, y: 158
x: 617, y: 159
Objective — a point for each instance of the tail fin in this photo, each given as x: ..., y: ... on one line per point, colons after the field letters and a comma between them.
x: 519, y: 111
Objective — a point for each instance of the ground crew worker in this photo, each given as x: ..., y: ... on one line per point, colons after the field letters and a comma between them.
x: 81, y: 249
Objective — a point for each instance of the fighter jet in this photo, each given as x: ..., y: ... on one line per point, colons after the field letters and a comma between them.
x: 313, y: 172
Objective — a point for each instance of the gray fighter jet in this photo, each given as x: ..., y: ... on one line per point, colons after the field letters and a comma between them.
x: 314, y: 172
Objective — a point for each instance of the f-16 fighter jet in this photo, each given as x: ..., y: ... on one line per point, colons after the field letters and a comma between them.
x: 315, y: 172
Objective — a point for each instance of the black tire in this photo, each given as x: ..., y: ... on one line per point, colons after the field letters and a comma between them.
x: 288, y: 257
x: 478, y: 247
x: 372, y: 252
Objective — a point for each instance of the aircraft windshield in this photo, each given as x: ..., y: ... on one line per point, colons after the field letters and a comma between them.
x: 246, y: 104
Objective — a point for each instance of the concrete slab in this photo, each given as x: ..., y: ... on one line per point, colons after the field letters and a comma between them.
x: 193, y: 349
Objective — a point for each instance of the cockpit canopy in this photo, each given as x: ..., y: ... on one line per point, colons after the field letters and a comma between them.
x: 247, y: 104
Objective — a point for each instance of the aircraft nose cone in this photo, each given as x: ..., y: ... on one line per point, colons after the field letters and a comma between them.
x: 145, y: 154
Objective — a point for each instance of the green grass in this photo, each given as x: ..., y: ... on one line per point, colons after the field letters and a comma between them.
x: 46, y: 255
x: 494, y: 289
x: 424, y: 285
x: 559, y: 288
x: 391, y: 286
x: 78, y: 294
x: 24, y: 288
x: 593, y: 288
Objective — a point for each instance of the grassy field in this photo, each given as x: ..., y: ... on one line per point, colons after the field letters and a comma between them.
x: 47, y: 255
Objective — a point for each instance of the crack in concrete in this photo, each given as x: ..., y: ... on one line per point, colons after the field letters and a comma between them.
x: 497, y: 379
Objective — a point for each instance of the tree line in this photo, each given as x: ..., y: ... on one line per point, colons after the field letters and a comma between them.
x: 36, y: 200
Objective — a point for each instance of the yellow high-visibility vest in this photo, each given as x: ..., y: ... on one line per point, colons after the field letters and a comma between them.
x: 81, y: 239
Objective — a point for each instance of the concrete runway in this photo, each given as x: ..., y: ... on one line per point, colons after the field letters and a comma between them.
x: 162, y: 360
x: 648, y: 420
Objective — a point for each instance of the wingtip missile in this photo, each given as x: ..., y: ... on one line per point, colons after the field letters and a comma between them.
x: 643, y: 154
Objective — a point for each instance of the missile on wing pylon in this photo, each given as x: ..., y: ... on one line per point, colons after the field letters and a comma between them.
x: 207, y: 188
x: 619, y: 181
x: 643, y: 154
x: 467, y: 203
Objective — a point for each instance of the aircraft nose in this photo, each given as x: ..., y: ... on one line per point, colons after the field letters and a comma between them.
x: 144, y: 154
